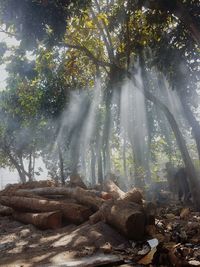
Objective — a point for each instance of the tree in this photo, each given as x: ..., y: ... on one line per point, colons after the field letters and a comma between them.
x: 35, y: 21
x: 108, y: 39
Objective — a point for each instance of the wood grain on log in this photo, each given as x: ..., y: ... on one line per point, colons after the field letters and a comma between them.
x: 85, y: 197
x: 133, y: 195
x: 113, y: 189
x: 5, y: 211
x: 45, y: 220
x: 73, y: 212
x: 96, y: 217
x: 128, y: 218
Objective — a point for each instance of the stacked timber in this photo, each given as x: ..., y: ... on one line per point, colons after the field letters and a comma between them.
x: 49, y: 207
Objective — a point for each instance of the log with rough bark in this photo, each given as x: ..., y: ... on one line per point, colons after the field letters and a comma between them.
x: 5, y: 211
x: 96, y: 217
x: 129, y: 218
x: 45, y: 220
x: 133, y: 195
x: 26, y: 193
x: 113, y: 189
x: 72, y: 212
x: 85, y: 197
x: 101, y: 194
x: 12, y: 188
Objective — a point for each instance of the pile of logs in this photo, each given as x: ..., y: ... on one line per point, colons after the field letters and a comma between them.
x: 48, y: 206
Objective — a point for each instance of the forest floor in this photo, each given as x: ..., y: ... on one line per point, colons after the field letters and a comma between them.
x: 173, y: 241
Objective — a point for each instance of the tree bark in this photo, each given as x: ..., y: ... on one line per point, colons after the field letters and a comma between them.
x: 96, y: 217
x: 45, y: 220
x: 192, y: 121
x: 190, y: 169
x: 83, y: 196
x: 75, y: 213
x: 100, y: 169
x: 93, y: 164
x: 61, y: 164
x: 22, y: 175
x: 5, y: 211
x: 76, y: 180
x: 113, y: 189
x: 127, y: 217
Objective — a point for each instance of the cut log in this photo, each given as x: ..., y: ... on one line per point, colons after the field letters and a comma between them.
x: 101, y: 194
x: 26, y: 193
x: 12, y: 188
x: 47, y: 191
x: 85, y: 197
x: 133, y: 195
x: 45, y: 220
x: 150, y: 211
x: 113, y: 189
x: 72, y: 212
x: 96, y: 217
x: 128, y: 218
x: 5, y: 211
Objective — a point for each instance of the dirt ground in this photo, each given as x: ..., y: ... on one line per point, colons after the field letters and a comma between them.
x: 177, y: 232
x: 24, y: 245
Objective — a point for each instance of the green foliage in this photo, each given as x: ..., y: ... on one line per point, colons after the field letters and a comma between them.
x: 37, y: 20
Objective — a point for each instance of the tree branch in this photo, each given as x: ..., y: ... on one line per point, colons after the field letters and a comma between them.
x: 108, y: 46
x: 105, y: 27
x: 95, y: 60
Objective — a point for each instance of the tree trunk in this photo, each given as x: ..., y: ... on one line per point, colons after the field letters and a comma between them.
x: 190, y: 169
x: 192, y: 121
x: 76, y: 180
x: 93, y: 165
x: 83, y: 164
x: 30, y: 167
x: 22, y: 175
x: 61, y: 164
x: 138, y: 177
x: 104, y: 161
x: 100, y: 169
x: 28, y: 174
x: 45, y: 220
x: 182, y: 13
x: 75, y: 213
x: 124, y: 158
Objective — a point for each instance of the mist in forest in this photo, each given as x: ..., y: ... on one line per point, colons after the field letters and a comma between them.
x: 89, y: 128
x: 84, y: 137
